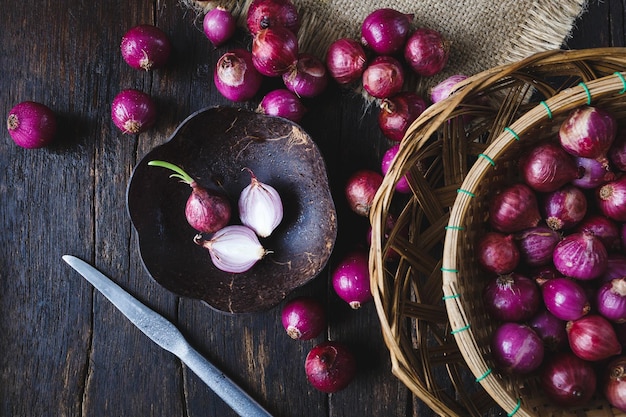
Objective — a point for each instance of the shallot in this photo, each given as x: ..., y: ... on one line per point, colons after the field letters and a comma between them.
x: 611, y: 300
x: 512, y: 297
x: 282, y: 103
x: 351, y: 279
x: 513, y: 209
x: 308, y: 78
x: 133, y: 111
x: 516, y: 348
x: 219, y: 25
x: 592, y: 338
x: 385, y: 30
x: 588, y: 132
x: 565, y: 298
x: 614, y: 384
x: 206, y: 210
x: 233, y: 248
x: 426, y: 52
x: 360, y: 189
x: 303, y: 318
x: 398, y: 112
x: 617, y: 151
x: 346, y: 60
x: 611, y: 198
x: 446, y: 88
x: 580, y: 255
x: 235, y: 76
x: 263, y: 14
x: 146, y: 47
x: 402, y: 186
x: 564, y: 208
x: 592, y: 173
x: 260, y: 206
x: 31, y: 125
x: 330, y: 366
x: 383, y: 77
x: 603, y: 228
x: 274, y: 51
x: 550, y: 329
x: 547, y: 167
x: 568, y: 380
x: 497, y: 253
x: 536, y: 244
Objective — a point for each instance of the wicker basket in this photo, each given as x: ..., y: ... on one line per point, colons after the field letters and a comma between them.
x: 431, y: 318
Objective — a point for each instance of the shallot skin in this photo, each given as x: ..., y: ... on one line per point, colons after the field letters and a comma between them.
x: 588, y: 132
x: 145, y: 47
x: 31, y: 125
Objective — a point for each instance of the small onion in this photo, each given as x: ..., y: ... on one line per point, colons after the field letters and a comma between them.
x: 511, y: 297
x: 536, y: 244
x: 497, y: 252
x: 133, y: 111
x: 330, y: 366
x: 603, y: 228
x: 398, y: 112
x: 564, y: 208
x: 588, y: 132
x: 31, y: 125
x: 516, y: 348
x: 308, y: 78
x: 260, y: 207
x: 611, y: 300
x: 611, y: 198
x: 233, y: 249
x: 616, y: 267
x: 513, y: 209
x: 592, y: 338
x: 385, y: 30
x: 568, y: 380
x: 235, y: 76
x: 446, y: 87
x: 617, y: 151
x: 351, y: 279
x: 547, y: 167
x: 565, y: 298
x: 550, y: 329
x: 426, y: 52
x: 146, y: 47
x: 383, y: 77
x: 360, y: 189
x: 614, y: 384
x: 346, y: 60
x: 274, y: 51
x: 282, y: 103
x: 303, y: 318
x: 263, y: 14
x: 219, y: 25
x: 580, y: 255
x: 402, y: 186
x: 592, y: 173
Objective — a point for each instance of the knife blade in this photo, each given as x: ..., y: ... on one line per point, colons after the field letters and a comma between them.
x: 167, y: 336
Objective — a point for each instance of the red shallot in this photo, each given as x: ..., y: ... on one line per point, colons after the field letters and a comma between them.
x: 308, y: 78
x: 398, y: 112
x: 565, y: 298
x: 274, y: 51
x: 588, y: 132
x: 580, y: 255
x: 330, y: 366
x: 219, y: 25
x: 592, y: 338
x: 303, y: 318
x: 614, y: 384
x: 497, y: 253
x: 282, y: 103
x: 617, y: 151
x: 512, y: 297
x: 592, y: 173
x: 426, y: 52
x: 235, y: 76
x: 536, y: 244
x: 568, y: 380
x: 402, y: 186
x: 234, y: 248
x: 564, y: 208
x: 260, y: 207
x: 385, y: 30
x: 360, y: 189
x: 351, y: 279
x: 513, y: 209
x: 346, y: 60
x: 550, y: 329
x: 611, y: 199
x: 611, y: 300
x: 383, y: 77
x: 516, y: 348
x: 547, y: 167
x: 146, y: 47
x: 446, y: 87
x: 263, y: 14
x: 31, y: 125
x: 133, y: 111
x: 603, y: 228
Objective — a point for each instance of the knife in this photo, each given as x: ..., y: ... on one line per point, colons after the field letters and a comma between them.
x: 166, y: 335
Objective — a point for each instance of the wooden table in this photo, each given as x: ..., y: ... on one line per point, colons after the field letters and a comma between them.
x: 64, y: 349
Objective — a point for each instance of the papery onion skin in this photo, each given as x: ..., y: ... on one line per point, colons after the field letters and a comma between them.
x: 611, y: 198
x: 360, y: 189
x: 516, y: 348
x: 260, y: 206
x: 351, y: 279
x: 513, y: 209
x: 592, y: 338
x: 614, y: 384
x: 234, y: 248
x: 603, y: 228
x: 564, y: 208
x: 219, y: 25
x: 497, y: 252
x: 512, y: 297
x: 274, y: 51
x: 446, y: 88
x: 402, y: 186
x: 547, y: 167
x: 588, y: 132
x: 568, y: 380
x: 385, y: 30
x: 146, y: 47
x: 383, y: 77
x: 31, y: 125
x: 611, y: 300
x: 308, y: 77
x: 536, y: 244
x: 263, y: 14
x: 580, y: 255
x: 235, y: 76
x: 398, y: 112
x: 550, y: 329
x: 133, y: 111
x: 565, y: 298
x: 426, y: 52
x: 282, y: 103
x: 346, y: 60
x: 330, y: 366
x: 303, y: 318
x: 592, y: 173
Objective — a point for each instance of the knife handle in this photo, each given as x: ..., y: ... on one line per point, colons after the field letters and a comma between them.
x: 224, y: 387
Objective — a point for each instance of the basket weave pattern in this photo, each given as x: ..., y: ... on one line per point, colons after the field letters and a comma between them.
x: 455, y: 154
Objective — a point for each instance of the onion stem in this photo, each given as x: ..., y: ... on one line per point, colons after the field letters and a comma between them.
x: 179, y: 173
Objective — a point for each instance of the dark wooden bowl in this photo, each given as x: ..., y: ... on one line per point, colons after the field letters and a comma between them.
x: 213, y: 146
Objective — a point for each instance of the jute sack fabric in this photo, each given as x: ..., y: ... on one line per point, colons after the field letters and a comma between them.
x: 483, y: 33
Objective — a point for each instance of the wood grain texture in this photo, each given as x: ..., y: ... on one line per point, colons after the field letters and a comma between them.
x: 64, y: 349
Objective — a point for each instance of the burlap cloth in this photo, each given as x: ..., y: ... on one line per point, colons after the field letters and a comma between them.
x: 483, y: 33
